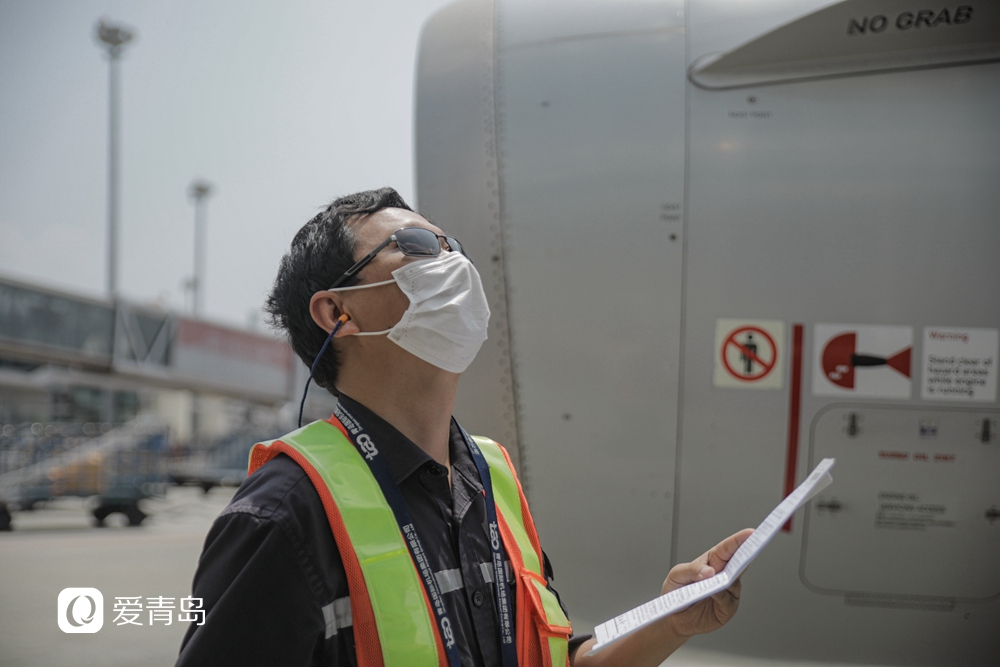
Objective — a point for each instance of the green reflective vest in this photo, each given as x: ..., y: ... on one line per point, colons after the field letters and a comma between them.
x: 394, y: 625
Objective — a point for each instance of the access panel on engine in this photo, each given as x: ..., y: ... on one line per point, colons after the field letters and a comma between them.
x: 914, y: 517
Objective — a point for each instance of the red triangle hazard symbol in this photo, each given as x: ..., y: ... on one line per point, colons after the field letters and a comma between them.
x: 901, y: 361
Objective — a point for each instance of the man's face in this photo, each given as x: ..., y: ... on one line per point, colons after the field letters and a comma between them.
x: 380, y: 308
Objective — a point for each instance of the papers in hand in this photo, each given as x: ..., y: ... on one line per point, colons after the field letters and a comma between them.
x: 682, y: 598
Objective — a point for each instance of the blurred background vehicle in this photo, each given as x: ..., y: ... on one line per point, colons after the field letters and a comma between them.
x: 114, y: 470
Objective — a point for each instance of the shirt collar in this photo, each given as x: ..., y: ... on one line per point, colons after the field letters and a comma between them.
x: 401, y: 454
x: 461, y: 459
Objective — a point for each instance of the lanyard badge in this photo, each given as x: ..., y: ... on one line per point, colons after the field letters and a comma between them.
x: 394, y: 497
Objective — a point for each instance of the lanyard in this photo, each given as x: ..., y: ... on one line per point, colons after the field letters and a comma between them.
x: 380, y: 470
x: 508, y: 650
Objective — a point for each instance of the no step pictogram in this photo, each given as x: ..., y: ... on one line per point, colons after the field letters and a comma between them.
x: 748, y: 353
x: 753, y: 351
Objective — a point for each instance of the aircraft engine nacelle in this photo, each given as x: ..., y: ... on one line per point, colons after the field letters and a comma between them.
x: 722, y: 241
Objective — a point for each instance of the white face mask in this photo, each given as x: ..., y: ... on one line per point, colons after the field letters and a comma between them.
x: 445, y: 324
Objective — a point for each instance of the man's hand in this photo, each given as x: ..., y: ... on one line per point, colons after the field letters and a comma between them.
x: 712, y: 612
x: 651, y: 645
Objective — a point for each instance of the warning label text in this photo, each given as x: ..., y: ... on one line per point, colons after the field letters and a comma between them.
x: 959, y: 364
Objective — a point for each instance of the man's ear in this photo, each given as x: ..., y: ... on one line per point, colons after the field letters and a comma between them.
x: 326, y: 308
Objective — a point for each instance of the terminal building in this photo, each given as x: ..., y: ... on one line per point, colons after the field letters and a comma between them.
x: 115, y: 399
x: 70, y: 358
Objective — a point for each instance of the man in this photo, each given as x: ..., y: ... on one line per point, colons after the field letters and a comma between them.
x: 387, y: 311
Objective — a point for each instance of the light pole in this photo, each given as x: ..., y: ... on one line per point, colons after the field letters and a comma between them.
x: 114, y: 38
x: 198, y: 190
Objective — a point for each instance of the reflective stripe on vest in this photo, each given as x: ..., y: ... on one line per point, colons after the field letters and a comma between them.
x: 394, y: 626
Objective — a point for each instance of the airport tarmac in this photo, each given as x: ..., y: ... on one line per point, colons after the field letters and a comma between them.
x: 57, y: 547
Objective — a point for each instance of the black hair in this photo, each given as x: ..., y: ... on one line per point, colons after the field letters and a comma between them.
x: 320, y: 253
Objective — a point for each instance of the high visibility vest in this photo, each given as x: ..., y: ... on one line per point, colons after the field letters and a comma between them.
x: 394, y: 624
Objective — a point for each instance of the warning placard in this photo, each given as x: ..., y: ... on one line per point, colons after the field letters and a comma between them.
x: 960, y: 364
x: 862, y: 360
x: 748, y: 353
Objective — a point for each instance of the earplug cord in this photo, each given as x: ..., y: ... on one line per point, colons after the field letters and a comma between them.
x: 312, y: 371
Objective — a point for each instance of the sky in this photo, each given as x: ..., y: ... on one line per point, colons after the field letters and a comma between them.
x: 282, y: 106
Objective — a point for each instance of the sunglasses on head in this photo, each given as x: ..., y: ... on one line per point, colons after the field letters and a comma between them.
x: 412, y: 242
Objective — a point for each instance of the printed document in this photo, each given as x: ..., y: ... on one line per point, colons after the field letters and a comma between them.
x: 682, y: 598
